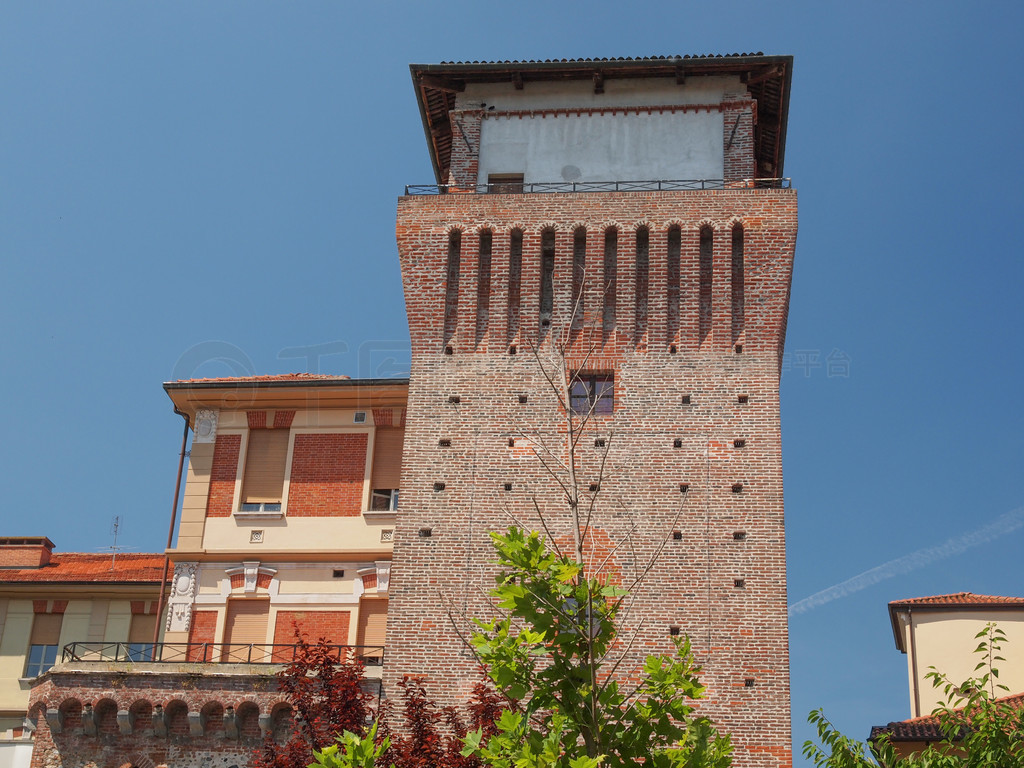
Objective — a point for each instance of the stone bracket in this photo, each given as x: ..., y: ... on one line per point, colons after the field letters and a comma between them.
x: 55, y: 720
x: 88, y: 720
x: 124, y: 721
x: 195, y: 724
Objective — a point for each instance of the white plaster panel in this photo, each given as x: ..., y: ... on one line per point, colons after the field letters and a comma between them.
x: 580, y: 93
x: 604, y: 147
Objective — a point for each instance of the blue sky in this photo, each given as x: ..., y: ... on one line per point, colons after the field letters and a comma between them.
x: 187, y: 182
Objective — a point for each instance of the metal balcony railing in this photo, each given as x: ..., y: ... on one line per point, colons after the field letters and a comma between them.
x: 658, y: 185
x: 210, y: 653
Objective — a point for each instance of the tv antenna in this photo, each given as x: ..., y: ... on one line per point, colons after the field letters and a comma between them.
x: 115, y: 526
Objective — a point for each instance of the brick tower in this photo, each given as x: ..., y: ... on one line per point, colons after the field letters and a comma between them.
x: 623, y: 223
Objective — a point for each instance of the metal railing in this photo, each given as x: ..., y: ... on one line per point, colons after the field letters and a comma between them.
x: 210, y: 653
x: 654, y: 185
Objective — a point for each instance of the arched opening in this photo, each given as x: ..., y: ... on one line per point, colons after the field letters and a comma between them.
x: 579, y: 274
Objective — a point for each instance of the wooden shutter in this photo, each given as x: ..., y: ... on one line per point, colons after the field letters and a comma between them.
x: 373, y: 619
x: 387, y: 457
x: 246, y: 622
x: 46, y: 629
x: 142, y: 628
x: 264, y: 466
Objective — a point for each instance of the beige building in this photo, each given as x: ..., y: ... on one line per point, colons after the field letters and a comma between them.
x: 53, y: 604
x: 287, y: 516
x: 940, y: 633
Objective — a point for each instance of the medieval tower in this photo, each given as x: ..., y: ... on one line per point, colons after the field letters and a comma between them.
x: 624, y: 224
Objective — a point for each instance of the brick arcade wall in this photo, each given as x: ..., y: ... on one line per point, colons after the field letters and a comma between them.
x: 723, y: 581
x: 109, y: 718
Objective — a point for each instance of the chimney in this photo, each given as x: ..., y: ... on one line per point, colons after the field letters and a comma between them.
x: 25, y: 551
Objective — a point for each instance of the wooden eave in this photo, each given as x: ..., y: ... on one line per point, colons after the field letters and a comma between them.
x: 768, y: 80
x: 190, y: 396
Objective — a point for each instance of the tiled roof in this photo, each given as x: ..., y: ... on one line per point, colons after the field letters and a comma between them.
x: 274, y: 377
x: 613, y: 59
x: 927, y: 728
x: 959, y: 599
x: 84, y: 568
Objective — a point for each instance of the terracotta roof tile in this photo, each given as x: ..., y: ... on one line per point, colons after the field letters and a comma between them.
x: 927, y: 728
x: 273, y: 377
x: 84, y: 568
x: 959, y: 599
x: 613, y: 59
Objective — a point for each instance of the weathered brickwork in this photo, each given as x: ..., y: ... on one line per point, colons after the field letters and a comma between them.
x: 130, y: 715
x: 675, y: 474
x: 327, y: 475
x: 222, y: 475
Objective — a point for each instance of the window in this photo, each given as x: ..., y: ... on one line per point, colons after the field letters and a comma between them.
x: 384, y: 500
x: 44, y: 643
x: 505, y: 183
x: 140, y: 637
x: 592, y: 393
x: 263, y: 484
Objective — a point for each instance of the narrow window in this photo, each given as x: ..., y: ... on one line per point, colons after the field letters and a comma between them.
x: 592, y: 393
x: 674, y: 247
x: 387, y: 468
x: 451, y: 299
x: 641, y: 281
x: 263, y: 483
x: 737, y: 282
x: 611, y: 247
x: 483, y: 286
x: 44, y: 643
x: 515, y: 273
x: 706, y: 266
x: 140, y: 637
x: 547, y: 278
x: 579, y: 273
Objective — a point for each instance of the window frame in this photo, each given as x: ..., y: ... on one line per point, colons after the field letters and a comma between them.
x: 31, y: 666
x: 599, y: 393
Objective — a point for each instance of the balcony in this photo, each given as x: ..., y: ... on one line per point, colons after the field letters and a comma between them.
x: 660, y: 185
x: 371, y: 657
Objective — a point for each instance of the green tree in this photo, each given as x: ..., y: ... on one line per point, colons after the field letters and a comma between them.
x: 980, y: 729
x: 551, y: 655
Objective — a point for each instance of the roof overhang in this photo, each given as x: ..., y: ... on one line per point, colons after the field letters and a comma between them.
x: 768, y: 80
x: 897, y: 608
x: 189, y: 396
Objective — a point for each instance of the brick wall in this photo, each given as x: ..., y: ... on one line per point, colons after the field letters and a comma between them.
x: 723, y: 581
x: 180, y: 718
x: 202, y: 629
x: 332, y: 626
x: 327, y: 475
x: 222, y: 475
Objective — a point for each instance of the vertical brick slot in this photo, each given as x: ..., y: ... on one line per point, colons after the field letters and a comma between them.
x: 611, y: 247
x: 579, y: 272
x: 547, y: 279
x: 706, y: 265
x: 515, y: 276
x: 483, y: 286
x: 642, y: 282
x: 672, y: 289
x: 737, y: 286
x: 451, y: 298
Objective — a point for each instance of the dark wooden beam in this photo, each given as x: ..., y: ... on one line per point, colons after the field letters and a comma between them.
x: 517, y: 80
x: 680, y: 75
x: 760, y: 77
x: 598, y: 82
x: 442, y: 84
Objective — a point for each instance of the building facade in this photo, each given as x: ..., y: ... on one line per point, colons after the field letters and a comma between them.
x: 50, y: 601
x: 620, y: 228
x: 286, y: 524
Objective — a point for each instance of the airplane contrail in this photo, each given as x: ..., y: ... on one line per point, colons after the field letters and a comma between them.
x: 1011, y: 521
